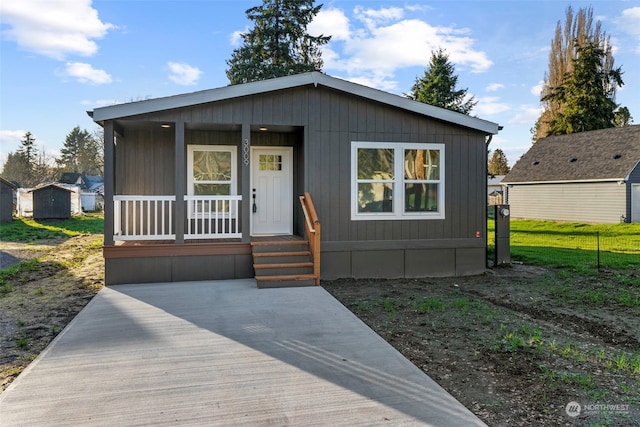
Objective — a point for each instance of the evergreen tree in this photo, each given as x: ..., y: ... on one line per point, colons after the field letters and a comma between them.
x: 278, y: 45
x: 81, y: 153
x: 579, y: 29
x: 27, y: 160
x: 15, y: 169
x: 28, y: 166
x: 438, y: 86
x: 498, y: 164
x: 587, y: 93
x: 28, y: 150
x: 622, y: 117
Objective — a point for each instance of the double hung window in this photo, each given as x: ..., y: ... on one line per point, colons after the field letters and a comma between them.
x: 397, y: 181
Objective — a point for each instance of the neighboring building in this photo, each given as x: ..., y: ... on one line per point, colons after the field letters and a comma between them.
x: 51, y: 202
x: 7, y: 190
x: 193, y: 179
x: 84, y: 182
x: 591, y: 177
x: 494, y: 189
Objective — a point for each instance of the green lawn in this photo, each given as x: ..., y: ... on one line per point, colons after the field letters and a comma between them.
x: 26, y: 230
x: 573, y: 244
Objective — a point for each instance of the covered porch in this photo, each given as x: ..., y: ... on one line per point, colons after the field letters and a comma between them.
x: 161, y: 223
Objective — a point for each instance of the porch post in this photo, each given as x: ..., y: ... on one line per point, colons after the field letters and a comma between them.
x: 109, y: 181
x: 245, y: 168
x: 180, y: 182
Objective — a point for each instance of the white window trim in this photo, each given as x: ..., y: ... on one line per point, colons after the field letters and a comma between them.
x: 234, y: 170
x: 398, y: 187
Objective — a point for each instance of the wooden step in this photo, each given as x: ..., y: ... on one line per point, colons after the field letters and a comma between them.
x: 284, y: 265
x: 274, y: 254
x: 280, y: 243
x: 286, y: 277
x: 285, y: 281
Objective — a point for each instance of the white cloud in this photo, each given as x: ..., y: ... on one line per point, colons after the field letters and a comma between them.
x: 11, y: 136
x: 99, y: 103
x: 418, y: 8
x: 489, y: 105
x: 378, y: 42
x: 85, y: 73
x: 331, y: 22
x: 53, y: 28
x: 537, y: 89
x: 526, y: 115
x: 628, y: 22
x: 373, y: 18
x: 236, y: 37
x: 183, y: 74
x: 494, y: 87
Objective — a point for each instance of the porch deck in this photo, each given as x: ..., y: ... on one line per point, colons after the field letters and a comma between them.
x: 223, y: 353
x: 149, y: 261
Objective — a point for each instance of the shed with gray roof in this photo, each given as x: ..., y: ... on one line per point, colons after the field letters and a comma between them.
x: 591, y: 177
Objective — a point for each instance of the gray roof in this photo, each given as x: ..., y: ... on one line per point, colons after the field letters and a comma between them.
x: 599, y: 155
x: 53, y: 185
x: 314, y: 78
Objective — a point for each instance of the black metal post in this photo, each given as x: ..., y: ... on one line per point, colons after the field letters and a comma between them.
x: 598, y: 238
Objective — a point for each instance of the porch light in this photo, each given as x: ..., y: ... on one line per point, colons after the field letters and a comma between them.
x: 165, y: 125
x: 263, y: 129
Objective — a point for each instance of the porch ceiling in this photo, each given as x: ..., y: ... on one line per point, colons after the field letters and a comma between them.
x: 158, y: 125
x: 151, y: 125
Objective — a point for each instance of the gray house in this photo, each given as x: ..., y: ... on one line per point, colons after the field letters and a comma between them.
x: 591, y: 177
x: 198, y: 185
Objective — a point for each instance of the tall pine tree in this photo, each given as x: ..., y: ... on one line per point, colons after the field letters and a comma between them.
x: 498, y: 164
x: 278, y: 45
x: 81, y: 153
x: 438, y: 86
x: 579, y: 30
x: 26, y: 166
x: 587, y: 93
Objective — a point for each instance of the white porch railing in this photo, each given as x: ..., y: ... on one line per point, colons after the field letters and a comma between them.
x: 152, y: 217
x: 143, y: 217
x: 213, y: 217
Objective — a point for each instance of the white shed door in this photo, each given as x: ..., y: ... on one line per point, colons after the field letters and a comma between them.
x: 271, y: 191
x: 635, y: 202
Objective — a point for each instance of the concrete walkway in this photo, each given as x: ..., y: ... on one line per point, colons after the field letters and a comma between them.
x: 223, y: 353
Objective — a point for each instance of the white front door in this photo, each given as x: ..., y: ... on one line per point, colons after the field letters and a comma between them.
x: 635, y: 202
x: 271, y: 191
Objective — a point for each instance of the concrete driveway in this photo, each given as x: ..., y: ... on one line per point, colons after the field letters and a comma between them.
x: 223, y: 353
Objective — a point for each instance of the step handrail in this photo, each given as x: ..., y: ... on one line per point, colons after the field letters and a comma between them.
x: 312, y: 227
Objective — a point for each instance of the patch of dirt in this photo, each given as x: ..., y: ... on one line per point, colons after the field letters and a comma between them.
x: 12, y: 253
x: 45, y: 296
x: 518, y: 344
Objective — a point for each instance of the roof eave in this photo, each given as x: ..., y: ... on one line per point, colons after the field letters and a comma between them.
x: 565, y: 181
x: 112, y: 112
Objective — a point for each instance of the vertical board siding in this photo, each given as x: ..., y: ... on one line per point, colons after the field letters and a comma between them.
x: 366, y: 121
x: 331, y: 120
x: 145, y: 163
x: 596, y: 202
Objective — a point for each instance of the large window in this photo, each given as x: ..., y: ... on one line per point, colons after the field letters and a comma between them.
x: 211, y: 170
x: 397, y: 180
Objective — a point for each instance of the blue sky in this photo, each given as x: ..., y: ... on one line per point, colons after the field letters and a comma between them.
x: 60, y: 58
